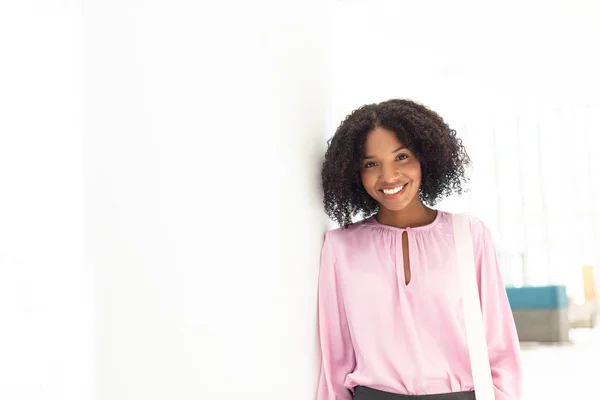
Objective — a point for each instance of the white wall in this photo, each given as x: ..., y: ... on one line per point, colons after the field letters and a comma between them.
x: 204, y: 132
x: 46, y: 290
x: 464, y: 56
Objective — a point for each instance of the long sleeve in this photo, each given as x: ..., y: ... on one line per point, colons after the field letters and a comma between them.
x: 502, y: 340
x: 336, y: 345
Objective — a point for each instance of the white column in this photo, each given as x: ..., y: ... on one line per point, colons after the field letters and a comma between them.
x: 204, y: 136
x: 46, y: 290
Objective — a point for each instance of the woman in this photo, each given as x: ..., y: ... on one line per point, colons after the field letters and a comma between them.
x: 390, y: 311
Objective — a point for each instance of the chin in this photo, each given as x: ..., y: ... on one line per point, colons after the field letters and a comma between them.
x: 395, y: 207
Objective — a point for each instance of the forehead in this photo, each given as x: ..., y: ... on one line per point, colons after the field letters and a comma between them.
x: 381, y: 140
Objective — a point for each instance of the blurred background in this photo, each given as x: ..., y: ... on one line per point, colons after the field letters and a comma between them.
x: 160, y: 210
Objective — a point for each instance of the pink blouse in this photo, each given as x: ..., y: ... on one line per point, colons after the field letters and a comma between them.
x: 379, y: 332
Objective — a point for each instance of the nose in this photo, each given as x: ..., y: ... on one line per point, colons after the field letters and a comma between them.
x: 390, y: 174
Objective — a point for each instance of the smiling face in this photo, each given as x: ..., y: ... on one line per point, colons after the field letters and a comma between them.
x: 390, y: 172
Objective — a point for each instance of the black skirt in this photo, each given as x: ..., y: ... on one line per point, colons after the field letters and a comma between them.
x: 366, y: 393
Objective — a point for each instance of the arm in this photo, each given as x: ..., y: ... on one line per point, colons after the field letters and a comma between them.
x: 501, y: 333
x: 336, y: 345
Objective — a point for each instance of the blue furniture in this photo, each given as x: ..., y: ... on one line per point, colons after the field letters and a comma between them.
x: 540, y: 312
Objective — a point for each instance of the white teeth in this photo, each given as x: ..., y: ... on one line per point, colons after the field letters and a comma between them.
x: 393, y: 191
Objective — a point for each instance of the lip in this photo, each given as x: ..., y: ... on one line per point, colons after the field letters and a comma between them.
x: 395, y: 195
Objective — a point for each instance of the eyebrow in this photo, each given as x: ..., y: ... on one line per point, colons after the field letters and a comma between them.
x: 395, y: 151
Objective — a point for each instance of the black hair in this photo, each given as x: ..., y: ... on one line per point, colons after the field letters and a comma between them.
x: 440, y: 152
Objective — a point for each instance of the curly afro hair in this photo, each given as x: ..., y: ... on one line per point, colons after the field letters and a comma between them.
x: 441, y: 154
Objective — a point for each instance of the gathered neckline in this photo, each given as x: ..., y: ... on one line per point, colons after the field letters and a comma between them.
x: 375, y: 222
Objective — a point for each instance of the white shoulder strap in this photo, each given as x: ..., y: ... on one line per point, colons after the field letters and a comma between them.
x: 478, y: 352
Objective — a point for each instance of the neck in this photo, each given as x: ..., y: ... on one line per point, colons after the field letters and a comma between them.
x: 413, y: 216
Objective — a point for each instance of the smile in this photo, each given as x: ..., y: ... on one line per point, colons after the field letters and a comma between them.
x: 394, y: 192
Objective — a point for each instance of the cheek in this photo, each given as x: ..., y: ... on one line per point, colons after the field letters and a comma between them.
x: 415, y: 171
x: 368, y: 180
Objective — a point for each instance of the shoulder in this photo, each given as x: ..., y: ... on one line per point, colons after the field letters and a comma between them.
x: 478, y: 227
x: 347, y: 236
x: 479, y: 230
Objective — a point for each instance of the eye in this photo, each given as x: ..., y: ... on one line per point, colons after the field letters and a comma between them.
x: 370, y: 164
x: 402, y: 157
